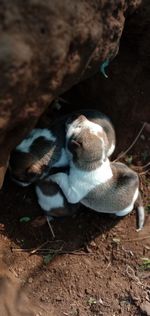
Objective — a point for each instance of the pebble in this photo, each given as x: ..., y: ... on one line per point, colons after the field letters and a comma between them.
x: 98, y: 274
x: 93, y: 244
x: 145, y: 308
x: 58, y: 299
x: 30, y: 280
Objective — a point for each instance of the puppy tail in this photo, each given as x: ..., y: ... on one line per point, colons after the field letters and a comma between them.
x: 140, y: 213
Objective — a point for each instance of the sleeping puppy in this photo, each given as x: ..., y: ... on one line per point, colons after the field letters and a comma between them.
x: 93, y: 180
x: 44, y: 149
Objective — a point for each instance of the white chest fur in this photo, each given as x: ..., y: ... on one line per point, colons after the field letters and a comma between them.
x: 79, y: 183
x: 84, y: 181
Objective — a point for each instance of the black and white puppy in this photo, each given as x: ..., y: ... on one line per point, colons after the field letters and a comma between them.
x: 44, y: 149
x: 52, y: 200
x: 93, y: 180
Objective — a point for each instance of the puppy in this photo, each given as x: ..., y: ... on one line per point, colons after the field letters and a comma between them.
x: 52, y: 200
x: 44, y: 149
x: 40, y: 151
x: 93, y: 180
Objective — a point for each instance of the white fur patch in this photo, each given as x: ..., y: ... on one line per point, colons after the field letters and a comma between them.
x: 24, y: 146
x: 79, y: 183
x: 48, y: 203
x: 111, y: 150
x: 63, y: 160
x: 129, y: 208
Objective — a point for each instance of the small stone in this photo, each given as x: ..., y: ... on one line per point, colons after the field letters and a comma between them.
x: 30, y: 280
x: 145, y: 308
x: 98, y: 274
x: 58, y: 299
x: 93, y: 244
x: 87, y: 291
x: 142, y: 137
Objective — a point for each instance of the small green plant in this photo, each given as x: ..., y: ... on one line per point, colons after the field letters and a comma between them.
x: 128, y: 159
x: 146, y: 264
x: 25, y: 219
x: 116, y: 240
x: 49, y: 257
x: 147, y: 208
x: 91, y: 301
x: 145, y: 155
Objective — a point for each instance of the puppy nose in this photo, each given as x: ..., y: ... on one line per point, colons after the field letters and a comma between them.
x: 81, y: 118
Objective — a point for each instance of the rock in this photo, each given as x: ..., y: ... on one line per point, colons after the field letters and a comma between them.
x: 13, y: 297
x: 126, y: 81
x: 145, y: 308
x: 30, y: 280
x: 46, y: 47
x: 93, y: 244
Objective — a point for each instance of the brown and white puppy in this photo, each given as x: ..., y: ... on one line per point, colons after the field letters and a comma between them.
x: 93, y: 180
x: 44, y: 148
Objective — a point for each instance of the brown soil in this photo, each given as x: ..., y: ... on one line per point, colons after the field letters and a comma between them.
x: 95, y: 265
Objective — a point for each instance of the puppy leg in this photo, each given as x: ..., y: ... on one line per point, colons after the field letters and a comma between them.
x: 52, y: 201
x: 62, y: 179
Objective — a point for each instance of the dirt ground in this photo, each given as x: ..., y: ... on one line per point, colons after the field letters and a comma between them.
x: 96, y: 265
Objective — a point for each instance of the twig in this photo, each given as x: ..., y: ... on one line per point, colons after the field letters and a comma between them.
x: 38, y: 248
x: 133, y: 143
x: 56, y: 251
x: 50, y: 227
x: 107, y: 266
x: 141, y: 167
x: 60, y: 252
x: 145, y: 166
x: 131, y: 273
x: 75, y: 253
x: 136, y: 239
x: 144, y: 172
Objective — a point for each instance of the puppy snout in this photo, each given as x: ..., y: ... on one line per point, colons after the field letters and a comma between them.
x: 81, y: 118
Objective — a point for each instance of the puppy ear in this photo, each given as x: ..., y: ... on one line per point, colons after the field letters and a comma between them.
x: 35, y: 169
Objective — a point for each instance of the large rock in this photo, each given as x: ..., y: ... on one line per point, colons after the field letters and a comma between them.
x: 125, y: 94
x: 45, y: 48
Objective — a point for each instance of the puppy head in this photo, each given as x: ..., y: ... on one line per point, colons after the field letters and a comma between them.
x: 86, y: 140
x: 32, y: 157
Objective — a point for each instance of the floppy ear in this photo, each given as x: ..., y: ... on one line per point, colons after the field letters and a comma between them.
x: 36, y: 169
